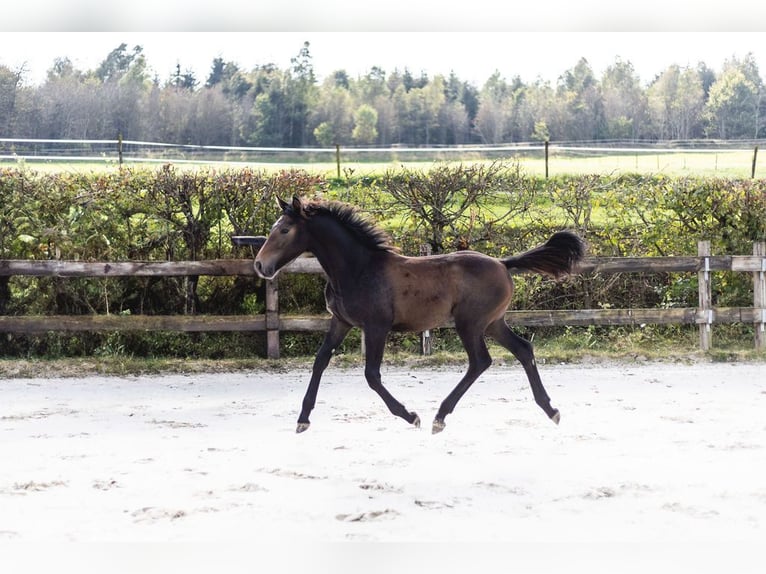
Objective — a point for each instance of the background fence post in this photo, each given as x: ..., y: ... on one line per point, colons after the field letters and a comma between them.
x: 759, y: 296
x: 705, y: 310
x: 547, y: 143
x: 272, y: 319
x: 755, y: 158
x: 426, y: 346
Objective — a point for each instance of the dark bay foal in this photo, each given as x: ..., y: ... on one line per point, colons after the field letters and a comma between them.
x: 371, y: 286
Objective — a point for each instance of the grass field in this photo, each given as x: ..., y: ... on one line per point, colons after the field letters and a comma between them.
x: 721, y: 163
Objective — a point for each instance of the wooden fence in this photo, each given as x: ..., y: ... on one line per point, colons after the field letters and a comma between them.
x: 272, y: 322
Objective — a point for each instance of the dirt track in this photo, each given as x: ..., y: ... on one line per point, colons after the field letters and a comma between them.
x: 643, y: 453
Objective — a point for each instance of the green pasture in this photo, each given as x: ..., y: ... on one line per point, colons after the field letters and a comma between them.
x: 720, y: 163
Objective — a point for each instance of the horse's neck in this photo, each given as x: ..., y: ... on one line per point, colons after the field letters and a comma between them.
x: 341, y: 258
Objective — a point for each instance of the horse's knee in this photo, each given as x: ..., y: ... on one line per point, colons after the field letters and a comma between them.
x: 322, y: 360
x: 373, y: 377
x: 483, y: 363
x: 524, y: 351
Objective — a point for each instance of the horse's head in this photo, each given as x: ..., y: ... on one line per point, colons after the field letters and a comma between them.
x: 287, y: 240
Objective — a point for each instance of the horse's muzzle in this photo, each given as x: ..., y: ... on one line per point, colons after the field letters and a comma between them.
x: 264, y: 271
x: 258, y: 267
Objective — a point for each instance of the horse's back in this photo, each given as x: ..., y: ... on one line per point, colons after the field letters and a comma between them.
x: 430, y: 291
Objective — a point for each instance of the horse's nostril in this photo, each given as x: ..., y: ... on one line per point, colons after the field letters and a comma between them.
x: 259, y: 267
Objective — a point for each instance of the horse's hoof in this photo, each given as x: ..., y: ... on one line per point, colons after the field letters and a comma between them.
x: 556, y: 418
x: 416, y: 422
x: 302, y: 427
x: 438, y: 426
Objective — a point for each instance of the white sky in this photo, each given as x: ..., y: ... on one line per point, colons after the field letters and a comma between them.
x: 542, y: 40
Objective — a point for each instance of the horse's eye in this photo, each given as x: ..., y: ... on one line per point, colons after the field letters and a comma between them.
x: 285, y: 230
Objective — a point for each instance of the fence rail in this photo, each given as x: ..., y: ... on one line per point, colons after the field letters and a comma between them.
x: 272, y: 322
x: 121, y: 151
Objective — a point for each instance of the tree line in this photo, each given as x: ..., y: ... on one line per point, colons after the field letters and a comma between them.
x: 269, y: 106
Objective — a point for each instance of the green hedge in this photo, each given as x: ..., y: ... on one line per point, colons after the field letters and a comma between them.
x: 170, y: 214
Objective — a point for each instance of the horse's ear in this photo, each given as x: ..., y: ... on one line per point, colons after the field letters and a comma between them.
x: 298, y: 206
x: 283, y: 205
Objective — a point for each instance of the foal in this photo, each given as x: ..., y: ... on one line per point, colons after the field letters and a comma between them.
x: 371, y: 286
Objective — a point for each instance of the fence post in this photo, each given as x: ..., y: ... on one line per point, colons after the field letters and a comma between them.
x: 119, y: 147
x: 705, y: 297
x: 759, y: 296
x: 755, y: 157
x: 272, y: 318
x: 337, y: 158
x: 426, y: 346
x: 547, y: 143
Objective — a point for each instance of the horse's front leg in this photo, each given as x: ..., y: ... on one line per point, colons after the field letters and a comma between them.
x: 334, y: 337
x: 375, y: 342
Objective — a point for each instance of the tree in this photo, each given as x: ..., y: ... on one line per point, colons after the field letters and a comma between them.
x: 333, y: 111
x: 372, y: 85
x: 325, y: 135
x: 733, y: 106
x: 456, y: 117
x: 625, y: 104
x: 365, y: 125
x: 265, y: 118
x: 340, y: 79
x: 230, y: 78
x: 676, y: 101
x: 185, y: 80
x: 455, y: 124
x: 216, y: 75
x: 580, y: 93
x: 433, y: 102
x: 118, y: 63
x: 212, y: 122
x: 689, y: 104
x: 274, y: 106
x: 10, y: 82
x: 300, y: 95
x: 539, y: 115
x: 492, y: 114
x: 541, y: 132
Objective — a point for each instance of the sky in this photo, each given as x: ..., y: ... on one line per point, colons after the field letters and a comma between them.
x: 541, y: 41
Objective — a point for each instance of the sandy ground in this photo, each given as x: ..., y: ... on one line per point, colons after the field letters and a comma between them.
x: 644, y: 453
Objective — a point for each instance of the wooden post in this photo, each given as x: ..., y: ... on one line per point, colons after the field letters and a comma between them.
x: 337, y: 158
x: 5, y: 293
x: 705, y: 309
x: 272, y: 319
x: 759, y: 296
x: 547, y: 143
x: 755, y: 157
x: 426, y: 346
x: 119, y: 148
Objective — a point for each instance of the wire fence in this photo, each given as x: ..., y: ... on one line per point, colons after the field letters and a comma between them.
x: 718, y: 157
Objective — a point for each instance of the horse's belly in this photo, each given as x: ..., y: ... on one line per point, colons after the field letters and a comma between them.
x: 428, y: 313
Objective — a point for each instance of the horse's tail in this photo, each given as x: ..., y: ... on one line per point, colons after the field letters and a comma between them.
x: 556, y: 257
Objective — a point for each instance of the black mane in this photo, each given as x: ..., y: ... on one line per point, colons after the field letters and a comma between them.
x: 353, y: 220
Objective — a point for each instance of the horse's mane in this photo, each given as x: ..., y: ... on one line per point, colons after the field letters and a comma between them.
x: 352, y: 219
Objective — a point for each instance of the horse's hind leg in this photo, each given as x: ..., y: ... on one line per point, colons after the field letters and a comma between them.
x: 375, y: 342
x: 334, y: 337
x: 478, y: 362
x: 522, y: 350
